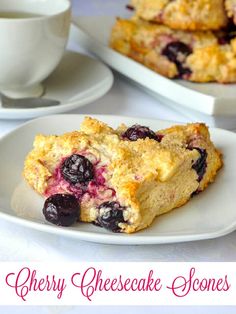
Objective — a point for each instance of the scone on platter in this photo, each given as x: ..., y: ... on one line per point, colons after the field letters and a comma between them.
x: 183, y: 14
x: 120, y: 179
x: 194, y: 56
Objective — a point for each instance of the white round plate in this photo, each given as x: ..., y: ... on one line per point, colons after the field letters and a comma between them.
x: 77, y: 81
x: 211, y: 99
x: 208, y: 215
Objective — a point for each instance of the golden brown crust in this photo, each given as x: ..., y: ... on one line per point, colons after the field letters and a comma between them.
x: 144, y: 42
x: 184, y: 14
x: 149, y: 178
x: 198, y: 135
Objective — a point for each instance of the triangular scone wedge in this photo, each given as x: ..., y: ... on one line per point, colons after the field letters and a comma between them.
x: 133, y: 181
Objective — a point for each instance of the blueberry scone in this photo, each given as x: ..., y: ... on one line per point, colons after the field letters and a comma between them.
x: 231, y: 9
x: 183, y: 14
x: 120, y: 179
x: 193, y: 56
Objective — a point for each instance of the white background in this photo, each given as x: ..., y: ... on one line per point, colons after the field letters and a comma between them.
x: 17, y: 244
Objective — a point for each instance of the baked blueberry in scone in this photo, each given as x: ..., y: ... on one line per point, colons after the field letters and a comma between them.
x: 183, y: 14
x: 194, y: 56
x: 120, y: 179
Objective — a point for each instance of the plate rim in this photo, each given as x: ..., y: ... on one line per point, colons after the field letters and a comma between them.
x: 110, y: 238
x: 124, y: 239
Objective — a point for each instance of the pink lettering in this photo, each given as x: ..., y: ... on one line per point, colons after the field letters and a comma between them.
x: 182, y: 286
x: 26, y: 281
x: 92, y: 280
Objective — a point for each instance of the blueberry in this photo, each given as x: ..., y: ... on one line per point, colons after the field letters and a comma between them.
x: 228, y: 33
x: 177, y: 52
x: 136, y: 132
x: 61, y: 209
x: 225, y: 39
x: 184, y: 72
x: 129, y: 7
x: 200, y: 165
x: 77, y: 169
x: 110, y: 215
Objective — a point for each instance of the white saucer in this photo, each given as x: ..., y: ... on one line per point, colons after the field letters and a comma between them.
x: 77, y: 81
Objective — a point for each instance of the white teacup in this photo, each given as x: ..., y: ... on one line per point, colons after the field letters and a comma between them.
x: 31, y: 46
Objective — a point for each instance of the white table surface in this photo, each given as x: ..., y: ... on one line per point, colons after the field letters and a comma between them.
x: 19, y: 244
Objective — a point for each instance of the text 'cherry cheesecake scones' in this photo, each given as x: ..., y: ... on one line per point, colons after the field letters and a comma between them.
x: 120, y: 179
x: 231, y: 9
x: 183, y: 14
x: 193, y: 56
